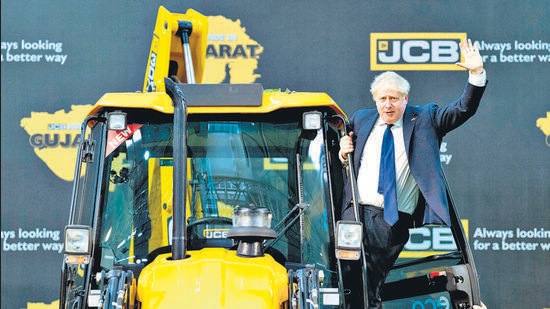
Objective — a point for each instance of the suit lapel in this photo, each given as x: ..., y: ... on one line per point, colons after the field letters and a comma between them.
x: 409, y: 119
x: 362, y: 135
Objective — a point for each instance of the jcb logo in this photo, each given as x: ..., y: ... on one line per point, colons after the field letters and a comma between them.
x: 430, y: 240
x: 215, y: 233
x: 415, y: 51
x: 151, y: 73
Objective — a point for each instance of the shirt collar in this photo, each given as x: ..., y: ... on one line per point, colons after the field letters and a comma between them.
x: 397, y: 124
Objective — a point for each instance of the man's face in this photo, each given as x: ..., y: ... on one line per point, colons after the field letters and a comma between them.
x: 390, y: 104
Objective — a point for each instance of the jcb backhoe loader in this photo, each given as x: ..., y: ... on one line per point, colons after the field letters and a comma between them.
x: 191, y: 195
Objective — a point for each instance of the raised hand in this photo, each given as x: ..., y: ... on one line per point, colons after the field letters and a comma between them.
x: 472, y: 58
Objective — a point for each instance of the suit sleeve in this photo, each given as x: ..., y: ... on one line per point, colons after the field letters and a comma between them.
x: 456, y: 113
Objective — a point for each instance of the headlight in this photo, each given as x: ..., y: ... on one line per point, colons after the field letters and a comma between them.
x: 349, y: 236
x: 78, y: 244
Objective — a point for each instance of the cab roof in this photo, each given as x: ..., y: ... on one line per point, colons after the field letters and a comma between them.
x: 219, y: 99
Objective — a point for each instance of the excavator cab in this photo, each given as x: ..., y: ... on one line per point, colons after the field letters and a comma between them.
x: 258, y: 193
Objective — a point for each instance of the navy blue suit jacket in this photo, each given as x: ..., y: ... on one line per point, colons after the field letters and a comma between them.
x: 423, y: 130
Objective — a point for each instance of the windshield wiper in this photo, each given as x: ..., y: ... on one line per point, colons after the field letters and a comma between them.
x: 436, y: 257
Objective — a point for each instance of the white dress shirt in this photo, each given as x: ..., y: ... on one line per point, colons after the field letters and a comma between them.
x: 367, y: 177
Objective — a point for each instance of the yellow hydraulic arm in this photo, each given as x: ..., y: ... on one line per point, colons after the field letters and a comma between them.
x: 174, y: 32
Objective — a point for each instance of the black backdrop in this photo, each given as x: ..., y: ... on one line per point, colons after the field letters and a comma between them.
x: 499, y: 164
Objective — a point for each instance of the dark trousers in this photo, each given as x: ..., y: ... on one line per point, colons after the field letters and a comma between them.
x: 382, y: 244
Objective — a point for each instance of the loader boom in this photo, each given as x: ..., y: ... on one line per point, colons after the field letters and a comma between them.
x: 167, y: 56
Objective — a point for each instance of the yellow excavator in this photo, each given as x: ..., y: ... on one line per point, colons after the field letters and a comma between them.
x: 192, y: 195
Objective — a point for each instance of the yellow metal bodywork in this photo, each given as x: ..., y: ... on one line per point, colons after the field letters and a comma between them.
x: 207, y: 278
x: 213, y: 278
x: 167, y: 46
x: 160, y: 202
x: 161, y: 102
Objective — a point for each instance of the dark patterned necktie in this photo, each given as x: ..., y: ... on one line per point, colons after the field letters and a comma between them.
x: 386, y: 180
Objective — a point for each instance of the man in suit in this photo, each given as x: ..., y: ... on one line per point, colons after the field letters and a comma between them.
x: 413, y: 193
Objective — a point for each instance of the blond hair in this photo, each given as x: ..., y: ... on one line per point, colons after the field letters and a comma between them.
x: 390, y: 80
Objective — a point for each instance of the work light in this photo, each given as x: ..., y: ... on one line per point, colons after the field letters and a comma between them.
x: 349, y: 235
x: 312, y: 120
x: 78, y: 244
x: 116, y: 121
